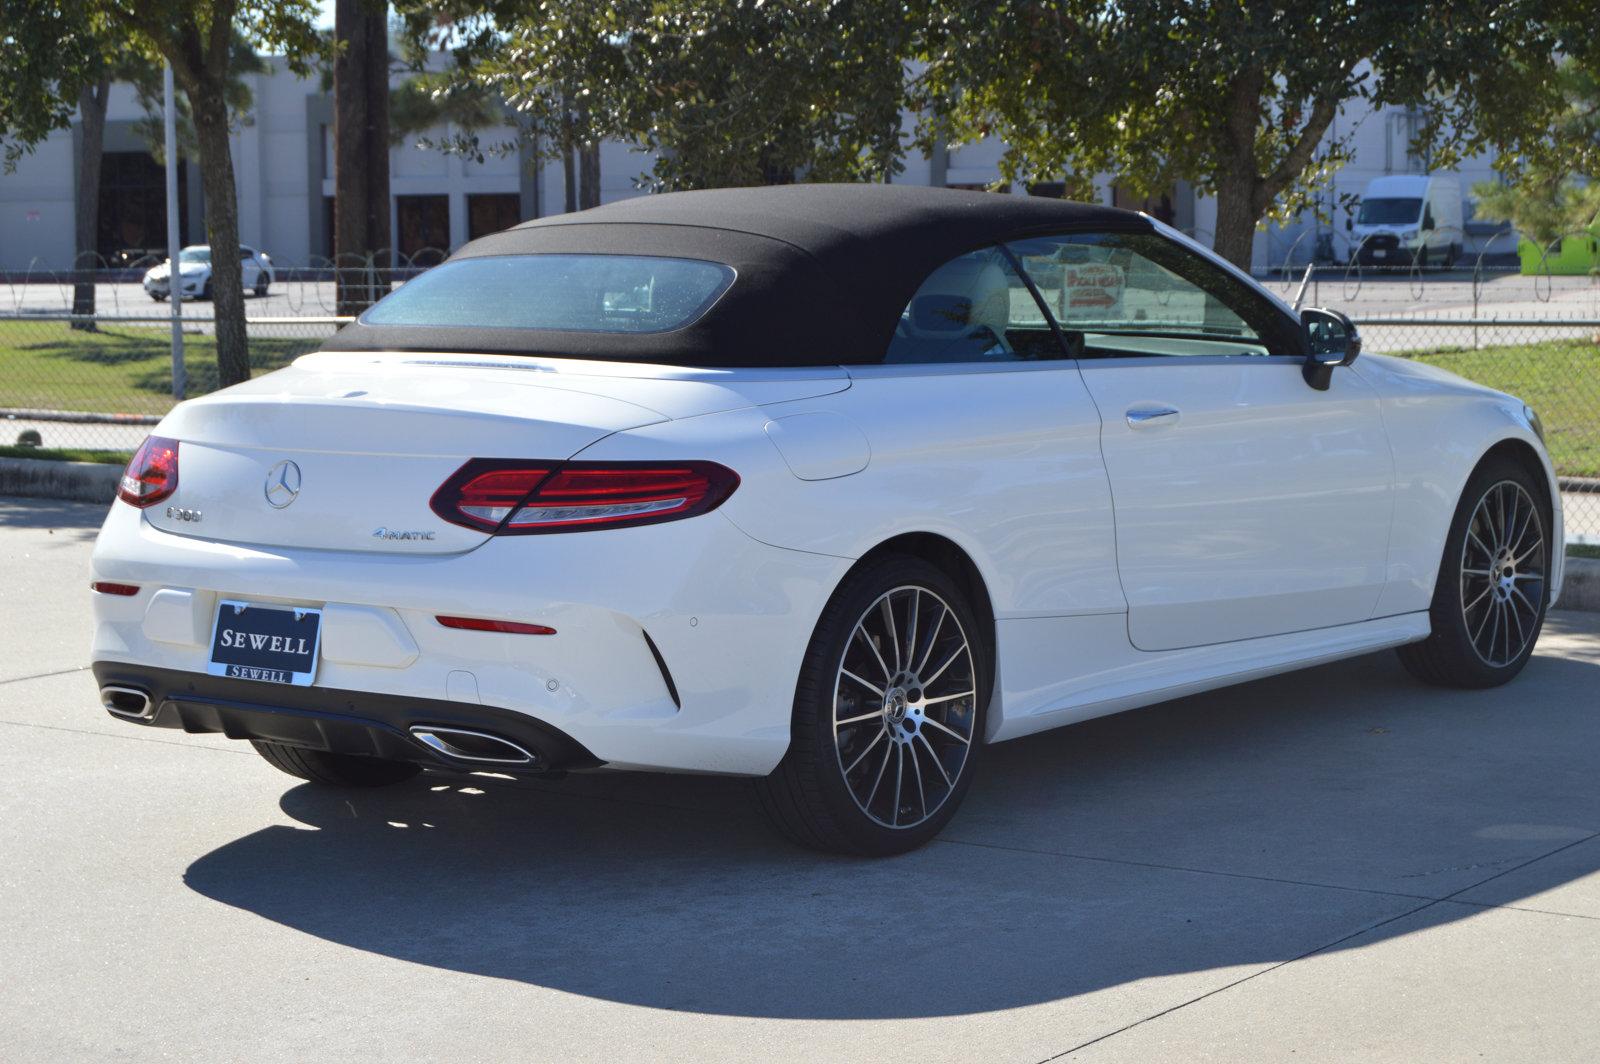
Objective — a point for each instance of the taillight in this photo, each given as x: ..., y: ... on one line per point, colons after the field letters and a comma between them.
x: 523, y: 498
x: 152, y: 473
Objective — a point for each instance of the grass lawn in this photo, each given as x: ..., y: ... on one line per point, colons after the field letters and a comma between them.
x: 1558, y: 378
x: 68, y: 454
x: 118, y: 369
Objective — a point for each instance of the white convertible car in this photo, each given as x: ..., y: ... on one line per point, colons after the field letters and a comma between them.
x: 828, y: 486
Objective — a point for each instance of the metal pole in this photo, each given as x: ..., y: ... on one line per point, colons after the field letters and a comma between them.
x: 180, y: 381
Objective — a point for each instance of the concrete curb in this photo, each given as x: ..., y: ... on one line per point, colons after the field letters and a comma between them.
x: 80, y: 481
x: 1580, y: 590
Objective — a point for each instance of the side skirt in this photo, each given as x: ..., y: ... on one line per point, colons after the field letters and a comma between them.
x: 1035, y: 697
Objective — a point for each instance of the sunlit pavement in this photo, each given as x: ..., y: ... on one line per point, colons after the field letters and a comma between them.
x: 1335, y: 865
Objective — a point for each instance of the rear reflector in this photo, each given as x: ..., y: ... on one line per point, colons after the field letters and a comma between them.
x: 152, y: 473
x: 483, y: 624
x: 520, y: 498
x: 114, y: 589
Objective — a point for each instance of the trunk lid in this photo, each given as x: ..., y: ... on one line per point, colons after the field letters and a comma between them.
x: 344, y: 451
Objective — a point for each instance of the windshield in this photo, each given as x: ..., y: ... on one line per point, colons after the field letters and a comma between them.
x: 573, y: 293
x: 1389, y: 211
x: 195, y: 255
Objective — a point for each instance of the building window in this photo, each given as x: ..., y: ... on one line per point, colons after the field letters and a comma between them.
x: 329, y: 221
x: 491, y: 212
x: 133, y: 208
x: 424, y: 224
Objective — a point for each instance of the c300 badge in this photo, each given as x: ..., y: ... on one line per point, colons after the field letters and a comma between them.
x: 178, y: 513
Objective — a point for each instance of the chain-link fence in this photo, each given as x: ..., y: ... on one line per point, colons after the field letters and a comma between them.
x: 318, y: 288
x: 98, y: 383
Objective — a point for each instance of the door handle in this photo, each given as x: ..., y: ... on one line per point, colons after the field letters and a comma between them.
x: 1140, y: 416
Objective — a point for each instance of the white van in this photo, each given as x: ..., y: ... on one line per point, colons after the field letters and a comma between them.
x: 1409, y: 218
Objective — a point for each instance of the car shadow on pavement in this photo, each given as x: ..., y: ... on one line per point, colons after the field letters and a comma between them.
x: 1243, y: 827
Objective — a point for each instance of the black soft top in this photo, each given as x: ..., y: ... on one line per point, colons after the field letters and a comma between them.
x: 824, y: 271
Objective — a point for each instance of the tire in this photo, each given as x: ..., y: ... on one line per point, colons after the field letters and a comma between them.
x: 1490, y: 598
x: 261, y: 290
x: 830, y: 792
x: 205, y: 291
x: 334, y: 770
x: 157, y: 298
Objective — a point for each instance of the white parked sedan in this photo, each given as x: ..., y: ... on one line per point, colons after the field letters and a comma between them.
x: 194, y: 273
x: 825, y: 485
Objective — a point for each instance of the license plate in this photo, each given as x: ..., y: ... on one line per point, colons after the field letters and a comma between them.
x: 1380, y: 254
x: 275, y: 644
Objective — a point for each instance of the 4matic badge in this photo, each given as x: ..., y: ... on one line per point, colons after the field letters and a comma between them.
x: 394, y: 533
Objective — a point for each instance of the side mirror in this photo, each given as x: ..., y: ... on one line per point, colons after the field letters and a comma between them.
x: 1349, y: 223
x: 1332, y: 341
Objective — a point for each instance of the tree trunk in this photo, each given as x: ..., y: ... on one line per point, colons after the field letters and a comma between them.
x: 210, y: 110
x: 1237, y: 214
x: 361, y: 153
x: 569, y: 166
x: 91, y: 148
x: 589, y: 176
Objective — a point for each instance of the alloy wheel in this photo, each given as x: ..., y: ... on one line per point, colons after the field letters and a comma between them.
x: 904, y: 707
x: 1503, y: 567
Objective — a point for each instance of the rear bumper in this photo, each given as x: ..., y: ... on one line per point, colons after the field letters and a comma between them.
x: 340, y: 722
x: 677, y: 647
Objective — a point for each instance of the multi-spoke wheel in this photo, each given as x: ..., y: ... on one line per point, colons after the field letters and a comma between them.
x: 888, y: 714
x: 1492, y: 590
x: 904, y: 703
x: 1502, y: 574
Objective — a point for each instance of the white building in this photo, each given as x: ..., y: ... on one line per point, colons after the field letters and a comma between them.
x: 282, y: 156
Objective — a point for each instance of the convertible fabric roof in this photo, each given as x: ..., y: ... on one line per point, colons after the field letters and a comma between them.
x: 824, y: 271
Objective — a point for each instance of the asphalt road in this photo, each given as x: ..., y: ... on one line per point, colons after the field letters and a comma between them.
x: 1338, y: 865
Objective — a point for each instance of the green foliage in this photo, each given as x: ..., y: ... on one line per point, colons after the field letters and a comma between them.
x: 425, y: 101
x: 724, y: 92
x: 1234, y: 97
x: 1544, y: 198
x: 1543, y: 208
x: 52, y: 49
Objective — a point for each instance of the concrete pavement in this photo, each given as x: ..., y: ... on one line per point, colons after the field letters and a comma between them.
x: 1335, y: 865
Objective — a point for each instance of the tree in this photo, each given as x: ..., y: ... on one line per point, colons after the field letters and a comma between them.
x: 197, y: 39
x: 720, y: 92
x: 1238, y: 98
x: 56, y: 60
x: 1546, y: 200
x: 121, y: 65
x: 54, y: 48
x: 361, y: 147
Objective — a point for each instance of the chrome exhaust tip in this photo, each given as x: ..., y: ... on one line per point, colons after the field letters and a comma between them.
x: 129, y: 702
x: 460, y: 744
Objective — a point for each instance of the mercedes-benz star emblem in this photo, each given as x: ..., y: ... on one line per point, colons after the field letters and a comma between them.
x: 283, y: 484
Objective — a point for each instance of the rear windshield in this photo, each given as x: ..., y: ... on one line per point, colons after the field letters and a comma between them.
x: 572, y: 293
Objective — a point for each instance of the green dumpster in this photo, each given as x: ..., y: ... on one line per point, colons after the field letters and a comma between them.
x: 1573, y: 256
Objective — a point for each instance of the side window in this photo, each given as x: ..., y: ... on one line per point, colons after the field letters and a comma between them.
x: 1140, y: 294
x: 974, y: 308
